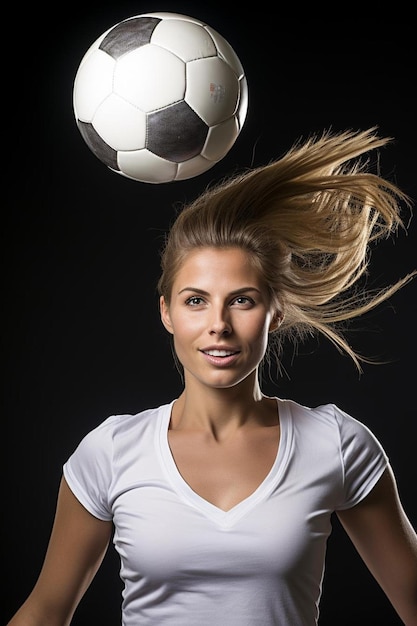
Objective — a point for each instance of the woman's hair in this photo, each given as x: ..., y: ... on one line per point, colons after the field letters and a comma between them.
x: 307, y: 221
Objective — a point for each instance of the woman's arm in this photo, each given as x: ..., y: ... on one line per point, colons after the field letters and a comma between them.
x: 387, y: 542
x: 76, y: 549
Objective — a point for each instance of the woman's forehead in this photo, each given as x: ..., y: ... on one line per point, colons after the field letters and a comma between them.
x: 207, y: 268
x: 222, y: 259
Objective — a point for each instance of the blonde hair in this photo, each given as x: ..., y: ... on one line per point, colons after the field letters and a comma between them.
x: 307, y: 221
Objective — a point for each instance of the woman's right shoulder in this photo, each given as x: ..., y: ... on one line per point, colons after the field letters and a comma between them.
x: 121, y: 425
x: 118, y: 436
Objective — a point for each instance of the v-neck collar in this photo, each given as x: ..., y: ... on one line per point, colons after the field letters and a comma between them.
x: 217, y: 515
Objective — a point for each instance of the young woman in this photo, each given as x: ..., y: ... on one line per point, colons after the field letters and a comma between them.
x: 221, y: 500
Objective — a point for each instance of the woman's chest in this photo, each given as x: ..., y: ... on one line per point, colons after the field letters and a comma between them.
x: 224, y: 473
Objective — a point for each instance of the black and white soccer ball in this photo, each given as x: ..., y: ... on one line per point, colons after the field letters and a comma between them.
x: 160, y: 97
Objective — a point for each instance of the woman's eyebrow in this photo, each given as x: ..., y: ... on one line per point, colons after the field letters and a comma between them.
x: 202, y: 292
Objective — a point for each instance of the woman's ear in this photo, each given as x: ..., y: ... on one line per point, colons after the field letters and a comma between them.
x: 276, y: 321
x: 165, y: 317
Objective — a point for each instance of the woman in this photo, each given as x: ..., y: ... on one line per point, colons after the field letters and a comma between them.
x: 221, y: 500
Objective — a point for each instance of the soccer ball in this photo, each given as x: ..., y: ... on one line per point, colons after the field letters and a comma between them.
x: 160, y: 97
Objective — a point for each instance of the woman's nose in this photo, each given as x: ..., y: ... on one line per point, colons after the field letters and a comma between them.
x: 220, y: 323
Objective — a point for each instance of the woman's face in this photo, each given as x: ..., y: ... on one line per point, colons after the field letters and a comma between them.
x: 219, y: 315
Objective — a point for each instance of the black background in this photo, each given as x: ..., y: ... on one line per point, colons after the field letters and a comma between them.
x: 81, y: 333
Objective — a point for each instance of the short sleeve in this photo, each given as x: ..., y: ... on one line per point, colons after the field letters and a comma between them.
x: 363, y: 458
x: 88, y: 471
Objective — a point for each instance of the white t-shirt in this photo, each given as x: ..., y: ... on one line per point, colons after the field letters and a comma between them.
x: 185, y: 562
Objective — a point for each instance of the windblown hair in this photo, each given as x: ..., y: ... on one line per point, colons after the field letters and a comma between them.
x: 307, y: 221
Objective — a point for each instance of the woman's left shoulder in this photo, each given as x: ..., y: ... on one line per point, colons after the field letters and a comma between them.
x: 329, y: 413
x: 329, y: 417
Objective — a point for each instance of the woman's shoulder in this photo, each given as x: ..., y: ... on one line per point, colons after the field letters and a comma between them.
x: 125, y: 426
x: 328, y: 415
x: 329, y: 422
x: 326, y: 412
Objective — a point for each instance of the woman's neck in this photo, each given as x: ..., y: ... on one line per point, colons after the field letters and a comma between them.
x: 222, y: 411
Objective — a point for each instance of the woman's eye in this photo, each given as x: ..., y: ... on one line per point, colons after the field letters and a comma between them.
x: 243, y: 300
x: 194, y: 301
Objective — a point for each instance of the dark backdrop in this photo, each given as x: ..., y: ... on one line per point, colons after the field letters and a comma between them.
x: 81, y: 333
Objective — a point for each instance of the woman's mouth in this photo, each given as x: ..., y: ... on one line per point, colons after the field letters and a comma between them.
x: 220, y: 357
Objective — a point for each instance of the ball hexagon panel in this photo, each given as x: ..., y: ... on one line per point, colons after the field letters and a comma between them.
x: 243, y: 101
x: 212, y: 89
x: 226, y: 52
x: 120, y: 124
x: 220, y: 139
x: 166, y: 15
x: 136, y: 78
x: 186, y: 40
x: 145, y: 166
x: 193, y: 167
x: 93, y: 84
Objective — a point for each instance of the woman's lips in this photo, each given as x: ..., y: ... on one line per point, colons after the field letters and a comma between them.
x: 220, y: 357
